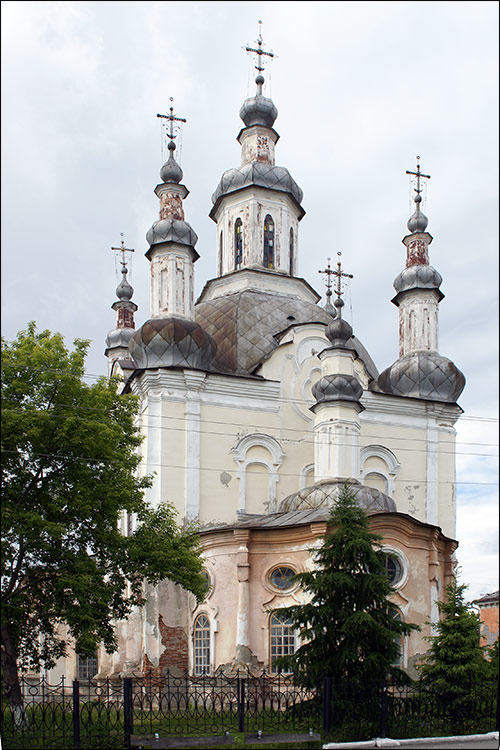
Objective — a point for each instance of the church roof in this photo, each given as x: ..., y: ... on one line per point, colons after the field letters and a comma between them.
x: 246, y: 325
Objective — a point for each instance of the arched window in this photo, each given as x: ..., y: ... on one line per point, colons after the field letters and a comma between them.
x: 292, y: 269
x: 281, y: 639
x: 201, y: 645
x: 268, y: 260
x: 220, y: 254
x: 238, y: 243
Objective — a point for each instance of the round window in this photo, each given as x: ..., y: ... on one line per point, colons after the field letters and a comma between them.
x: 281, y: 577
x: 208, y: 583
x: 394, y: 569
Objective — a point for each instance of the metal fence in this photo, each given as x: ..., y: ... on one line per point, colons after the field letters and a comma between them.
x: 118, y: 713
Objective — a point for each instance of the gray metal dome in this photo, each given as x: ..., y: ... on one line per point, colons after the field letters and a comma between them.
x: 417, y: 277
x: 325, y: 494
x: 423, y: 374
x: 258, y: 110
x: 417, y: 222
x: 260, y: 174
x: 171, y: 230
x: 339, y: 332
x: 172, y: 342
x: 119, y: 337
x: 124, y: 291
x: 171, y: 171
x: 337, y: 388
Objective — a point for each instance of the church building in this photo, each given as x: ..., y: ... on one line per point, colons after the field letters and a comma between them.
x: 258, y: 404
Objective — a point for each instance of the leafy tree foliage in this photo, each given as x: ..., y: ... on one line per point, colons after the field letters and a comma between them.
x: 348, y: 627
x: 70, y: 464
x: 455, y: 667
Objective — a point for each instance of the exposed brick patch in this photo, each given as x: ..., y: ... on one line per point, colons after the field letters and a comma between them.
x: 175, y: 654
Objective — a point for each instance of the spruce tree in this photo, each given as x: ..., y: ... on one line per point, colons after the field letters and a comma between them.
x: 455, y: 667
x: 347, y: 627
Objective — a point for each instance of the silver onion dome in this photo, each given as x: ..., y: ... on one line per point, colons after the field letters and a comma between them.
x: 171, y: 171
x: 172, y: 342
x: 425, y: 375
x: 417, y: 277
x: 171, y: 230
x: 258, y: 110
x: 337, y: 388
x: 124, y: 291
x: 417, y: 221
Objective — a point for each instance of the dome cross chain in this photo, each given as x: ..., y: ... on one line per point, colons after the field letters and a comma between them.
x: 418, y: 174
x: 259, y: 51
x: 329, y: 271
x: 172, y: 119
x: 122, y: 249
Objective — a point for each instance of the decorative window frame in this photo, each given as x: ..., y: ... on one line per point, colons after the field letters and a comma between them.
x: 239, y: 453
x: 390, y: 460
x: 395, y: 552
x: 266, y: 578
x: 295, y: 632
x: 303, y: 475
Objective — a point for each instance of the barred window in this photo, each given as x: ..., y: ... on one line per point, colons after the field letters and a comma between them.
x: 268, y: 260
x: 201, y: 643
x: 86, y: 667
x: 281, y: 577
x: 238, y: 243
x: 281, y: 639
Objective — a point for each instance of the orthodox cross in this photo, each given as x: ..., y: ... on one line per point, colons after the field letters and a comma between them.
x: 338, y: 273
x: 122, y: 249
x: 418, y: 175
x: 259, y: 51
x: 172, y: 118
x: 329, y: 273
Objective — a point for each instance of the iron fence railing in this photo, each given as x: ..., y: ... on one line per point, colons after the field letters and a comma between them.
x: 118, y: 713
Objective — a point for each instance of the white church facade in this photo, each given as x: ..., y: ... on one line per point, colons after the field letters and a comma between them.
x: 258, y: 404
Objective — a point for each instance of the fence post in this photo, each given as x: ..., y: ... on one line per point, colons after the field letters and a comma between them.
x: 383, y: 712
x: 240, y: 692
x: 128, y: 715
x: 327, y: 705
x: 76, y: 715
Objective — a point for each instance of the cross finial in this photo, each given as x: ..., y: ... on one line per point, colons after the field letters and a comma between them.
x: 329, y: 273
x: 418, y: 174
x: 259, y: 52
x: 172, y: 119
x: 122, y: 249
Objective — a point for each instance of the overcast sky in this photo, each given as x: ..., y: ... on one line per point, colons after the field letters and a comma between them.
x: 361, y: 88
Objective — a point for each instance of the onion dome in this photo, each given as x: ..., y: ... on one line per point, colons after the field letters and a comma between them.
x: 171, y: 171
x: 417, y: 277
x: 260, y: 174
x: 172, y: 342
x: 423, y: 374
x: 124, y: 291
x: 259, y: 110
x: 171, y: 230
x: 119, y: 338
x: 337, y: 388
x: 417, y: 221
x: 339, y: 331
x: 325, y: 494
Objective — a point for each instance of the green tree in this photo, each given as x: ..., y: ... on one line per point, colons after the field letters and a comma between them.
x: 70, y: 474
x: 348, y: 626
x: 455, y: 667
